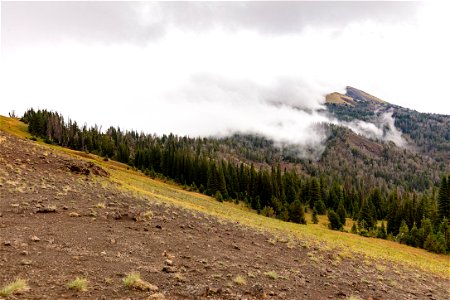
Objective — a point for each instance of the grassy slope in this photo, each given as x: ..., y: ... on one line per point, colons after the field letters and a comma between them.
x: 318, y: 235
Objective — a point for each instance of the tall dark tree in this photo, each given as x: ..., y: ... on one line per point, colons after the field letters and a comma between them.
x: 341, y: 212
x: 444, y: 199
x: 297, y: 212
x: 335, y: 221
x: 314, y: 192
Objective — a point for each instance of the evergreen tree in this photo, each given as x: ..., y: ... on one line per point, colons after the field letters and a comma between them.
x: 403, y: 235
x: 314, y: 218
x: 366, y: 215
x: 218, y: 196
x: 426, y: 229
x: 415, y: 238
x: 297, y: 212
x: 333, y: 218
x: 314, y: 192
x: 444, y: 228
x: 341, y: 212
x: 320, y: 207
x: 444, y: 199
x: 382, y: 231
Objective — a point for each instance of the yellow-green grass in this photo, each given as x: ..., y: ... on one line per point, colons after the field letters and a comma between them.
x: 14, y: 126
x: 134, y: 281
x: 126, y: 179
x: 16, y: 287
x: 78, y: 284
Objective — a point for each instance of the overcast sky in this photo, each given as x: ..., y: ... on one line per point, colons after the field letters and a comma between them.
x: 201, y: 68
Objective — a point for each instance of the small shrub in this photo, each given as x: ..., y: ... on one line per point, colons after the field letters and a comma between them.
x: 100, y: 205
x: 240, y: 280
x: 134, y: 281
x: 271, y: 274
x: 268, y: 211
x: 79, y: 284
x: 16, y: 287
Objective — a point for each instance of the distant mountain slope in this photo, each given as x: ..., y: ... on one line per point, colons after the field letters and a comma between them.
x: 429, y: 134
x: 352, y: 159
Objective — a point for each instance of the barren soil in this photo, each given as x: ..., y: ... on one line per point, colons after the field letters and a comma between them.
x: 60, y: 219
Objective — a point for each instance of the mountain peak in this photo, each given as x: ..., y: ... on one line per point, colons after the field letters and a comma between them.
x: 353, y: 97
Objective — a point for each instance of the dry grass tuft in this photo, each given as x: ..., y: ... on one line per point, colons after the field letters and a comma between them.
x: 271, y: 274
x: 79, y: 284
x: 134, y: 281
x: 16, y: 287
x: 240, y: 280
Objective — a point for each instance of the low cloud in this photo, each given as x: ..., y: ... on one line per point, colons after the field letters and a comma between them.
x: 287, y: 111
x: 382, y: 128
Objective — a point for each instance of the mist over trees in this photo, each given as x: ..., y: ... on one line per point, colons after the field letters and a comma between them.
x: 415, y: 217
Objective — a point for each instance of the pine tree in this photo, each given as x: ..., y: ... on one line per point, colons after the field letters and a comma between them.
x: 218, y: 196
x: 415, y: 237
x: 314, y: 217
x: 314, y: 192
x: 382, y: 231
x: 444, y: 199
x: 297, y: 212
x: 320, y: 207
x: 354, y: 229
x: 335, y: 222
x: 403, y: 235
x: 341, y: 212
x: 366, y: 215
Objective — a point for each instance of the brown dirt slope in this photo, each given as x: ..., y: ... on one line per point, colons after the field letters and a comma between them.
x: 61, y: 218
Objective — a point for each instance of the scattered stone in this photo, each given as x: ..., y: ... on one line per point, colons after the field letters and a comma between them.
x: 24, y: 252
x: 236, y: 247
x: 158, y: 226
x: 47, y: 209
x: 169, y: 269
x: 116, y: 215
x: 211, y: 291
x: 341, y: 294
x: 168, y: 262
x: 35, y: 238
x: 258, y: 291
x: 26, y: 262
x: 157, y: 296
x: 113, y: 241
x: 7, y: 243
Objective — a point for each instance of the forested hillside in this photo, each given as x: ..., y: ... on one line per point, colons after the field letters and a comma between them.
x: 355, y: 177
x: 429, y: 134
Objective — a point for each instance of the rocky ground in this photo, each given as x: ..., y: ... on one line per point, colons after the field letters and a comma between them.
x: 60, y: 220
